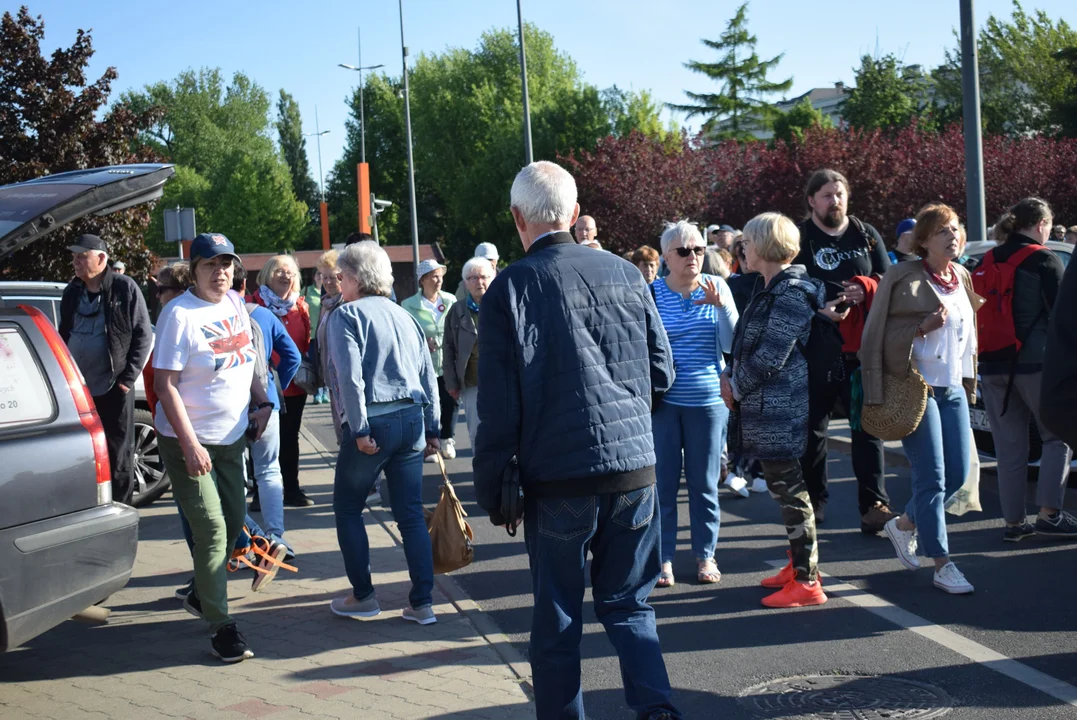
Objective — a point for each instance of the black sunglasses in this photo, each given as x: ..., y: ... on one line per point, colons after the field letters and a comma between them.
x: 685, y: 252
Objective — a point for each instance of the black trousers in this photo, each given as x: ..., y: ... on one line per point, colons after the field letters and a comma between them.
x: 290, y: 422
x: 867, y: 450
x: 117, y: 411
x: 450, y: 411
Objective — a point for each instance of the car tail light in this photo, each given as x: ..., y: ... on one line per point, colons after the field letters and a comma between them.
x: 83, y: 401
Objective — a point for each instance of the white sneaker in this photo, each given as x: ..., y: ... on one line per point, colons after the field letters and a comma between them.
x: 759, y: 485
x: 448, y: 449
x: 949, y: 579
x: 904, y: 542
x: 737, y: 484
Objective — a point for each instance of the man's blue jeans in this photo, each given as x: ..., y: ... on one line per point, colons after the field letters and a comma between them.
x: 621, y: 532
x: 939, y: 453
x: 400, y: 438
x: 698, y: 434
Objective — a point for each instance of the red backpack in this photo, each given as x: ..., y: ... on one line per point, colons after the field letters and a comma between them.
x: 993, y: 281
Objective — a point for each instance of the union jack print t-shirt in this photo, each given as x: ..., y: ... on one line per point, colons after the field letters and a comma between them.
x: 210, y: 345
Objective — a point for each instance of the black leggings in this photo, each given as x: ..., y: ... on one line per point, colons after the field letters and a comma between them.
x: 290, y: 422
x: 450, y: 410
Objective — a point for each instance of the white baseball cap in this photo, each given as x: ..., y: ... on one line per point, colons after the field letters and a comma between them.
x: 429, y: 266
x: 486, y: 250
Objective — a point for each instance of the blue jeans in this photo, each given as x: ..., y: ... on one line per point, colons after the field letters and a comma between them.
x: 400, y: 437
x: 265, y: 455
x: 938, y: 451
x: 621, y: 532
x: 699, y: 433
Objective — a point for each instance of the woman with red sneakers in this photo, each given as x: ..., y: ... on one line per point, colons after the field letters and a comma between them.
x: 766, y: 385
x: 278, y: 291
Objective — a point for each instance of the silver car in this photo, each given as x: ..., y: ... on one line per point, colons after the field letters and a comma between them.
x: 64, y: 544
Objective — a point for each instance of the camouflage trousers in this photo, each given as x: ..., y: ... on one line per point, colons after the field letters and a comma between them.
x: 786, y: 484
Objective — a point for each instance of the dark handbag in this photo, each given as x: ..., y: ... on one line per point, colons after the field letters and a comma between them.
x: 512, y: 496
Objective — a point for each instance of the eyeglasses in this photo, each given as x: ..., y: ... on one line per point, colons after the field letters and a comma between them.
x: 284, y: 273
x: 476, y: 278
x: 685, y: 252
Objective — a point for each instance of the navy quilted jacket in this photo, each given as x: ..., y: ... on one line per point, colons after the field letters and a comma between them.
x: 570, y: 349
x: 769, y: 374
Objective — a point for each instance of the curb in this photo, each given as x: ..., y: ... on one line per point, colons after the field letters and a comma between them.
x: 467, y: 607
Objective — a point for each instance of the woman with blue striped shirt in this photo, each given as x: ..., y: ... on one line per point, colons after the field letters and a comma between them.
x: 690, y: 421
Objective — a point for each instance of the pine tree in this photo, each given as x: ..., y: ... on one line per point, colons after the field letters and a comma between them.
x: 743, y: 77
x: 293, y: 147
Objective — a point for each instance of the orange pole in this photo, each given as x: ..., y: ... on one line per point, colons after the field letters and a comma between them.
x: 325, y: 225
x: 364, y: 197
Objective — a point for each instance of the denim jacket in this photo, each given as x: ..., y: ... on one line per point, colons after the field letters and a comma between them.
x: 378, y: 354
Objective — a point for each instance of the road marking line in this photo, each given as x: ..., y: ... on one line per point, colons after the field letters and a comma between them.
x: 959, y: 644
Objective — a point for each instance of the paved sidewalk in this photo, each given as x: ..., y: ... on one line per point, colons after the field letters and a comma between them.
x: 152, y: 659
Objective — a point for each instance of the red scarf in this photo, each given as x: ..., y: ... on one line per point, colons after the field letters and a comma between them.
x: 947, y: 286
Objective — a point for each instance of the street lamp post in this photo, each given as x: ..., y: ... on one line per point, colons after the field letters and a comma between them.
x: 411, y: 161
x: 362, y: 106
x: 974, y: 157
x: 529, y: 153
x: 323, y: 211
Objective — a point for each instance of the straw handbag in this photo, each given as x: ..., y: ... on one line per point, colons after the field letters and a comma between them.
x: 902, y: 409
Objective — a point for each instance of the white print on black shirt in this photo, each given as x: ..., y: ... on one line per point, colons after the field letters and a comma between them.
x: 832, y: 258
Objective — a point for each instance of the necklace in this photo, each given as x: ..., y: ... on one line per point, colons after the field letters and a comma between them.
x: 947, y: 285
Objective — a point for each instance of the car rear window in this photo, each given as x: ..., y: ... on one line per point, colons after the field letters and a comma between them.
x: 44, y: 304
x: 25, y: 398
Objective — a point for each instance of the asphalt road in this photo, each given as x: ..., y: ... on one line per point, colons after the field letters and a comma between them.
x: 882, y: 620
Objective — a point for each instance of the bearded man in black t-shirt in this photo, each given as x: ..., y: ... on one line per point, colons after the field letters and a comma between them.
x: 835, y: 248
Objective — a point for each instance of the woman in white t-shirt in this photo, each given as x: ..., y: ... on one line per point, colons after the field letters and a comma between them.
x: 208, y: 403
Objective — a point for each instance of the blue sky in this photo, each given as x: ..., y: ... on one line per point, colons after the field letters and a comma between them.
x: 631, y: 43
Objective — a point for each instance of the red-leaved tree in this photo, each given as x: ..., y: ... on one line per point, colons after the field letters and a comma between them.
x: 633, y: 184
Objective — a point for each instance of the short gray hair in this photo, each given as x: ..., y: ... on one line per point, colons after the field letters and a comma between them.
x: 475, y: 262
x: 685, y: 232
x: 544, y: 192
x: 369, y: 264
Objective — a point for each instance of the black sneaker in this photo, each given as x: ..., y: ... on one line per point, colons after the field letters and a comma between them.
x: 297, y: 499
x: 192, y: 604
x: 1060, y: 525
x: 1017, y: 533
x: 183, y: 592
x: 230, y: 645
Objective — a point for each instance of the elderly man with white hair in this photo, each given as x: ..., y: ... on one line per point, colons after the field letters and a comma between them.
x: 573, y: 352
x: 381, y: 372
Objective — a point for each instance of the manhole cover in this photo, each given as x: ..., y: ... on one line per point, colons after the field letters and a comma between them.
x: 846, y: 697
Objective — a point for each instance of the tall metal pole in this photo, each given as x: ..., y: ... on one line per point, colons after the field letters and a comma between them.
x: 321, y: 178
x: 974, y: 158
x: 411, y: 160
x: 362, y: 106
x: 529, y: 152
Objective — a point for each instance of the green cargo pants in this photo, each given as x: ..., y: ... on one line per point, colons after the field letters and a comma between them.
x: 215, y: 505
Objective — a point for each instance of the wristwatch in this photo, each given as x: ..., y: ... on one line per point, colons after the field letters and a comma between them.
x: 263, y: 405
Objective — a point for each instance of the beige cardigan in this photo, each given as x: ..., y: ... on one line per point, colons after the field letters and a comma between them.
x: 901, y: 303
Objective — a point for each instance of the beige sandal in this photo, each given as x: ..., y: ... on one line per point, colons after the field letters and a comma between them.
x: 709, y: 573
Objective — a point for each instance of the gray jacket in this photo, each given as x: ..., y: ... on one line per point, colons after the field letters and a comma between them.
x: 460, y: 338
x: 378, y: 354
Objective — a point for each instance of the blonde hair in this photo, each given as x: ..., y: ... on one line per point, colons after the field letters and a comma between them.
x: 328, y: 260
x: 774, y: 237
x: 275, y: 263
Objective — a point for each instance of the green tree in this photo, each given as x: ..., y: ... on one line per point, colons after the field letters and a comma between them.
x: 628, y: 111
x: 1065, y: 112
x: 293, y: 146
x: 790, y: 126
x: 52, y: 120
x: 739, y: 106
x: 235, y: 178
x: 467, y: 117
x: 1023, y: 81
x: 888, y: 94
